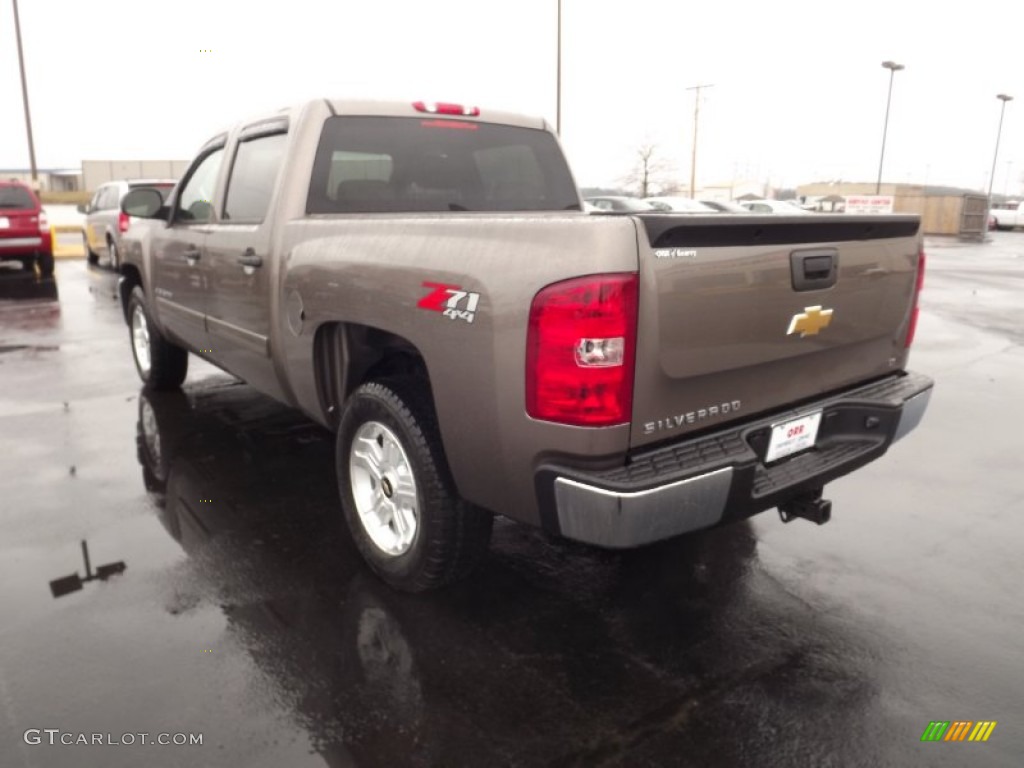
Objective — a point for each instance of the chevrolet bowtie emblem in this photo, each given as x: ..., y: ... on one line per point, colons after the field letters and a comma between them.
x: 810, y: 321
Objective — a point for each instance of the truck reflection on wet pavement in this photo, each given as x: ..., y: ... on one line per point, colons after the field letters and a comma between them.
x: 596, y: 655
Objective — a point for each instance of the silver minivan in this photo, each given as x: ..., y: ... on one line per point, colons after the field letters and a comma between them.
x: 104, y: 221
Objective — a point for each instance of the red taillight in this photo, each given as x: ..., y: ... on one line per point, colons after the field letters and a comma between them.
x: 444, y: 108
x: 44, y: 224
x: 581, y: 349
x: 122, y: 222
x: 918, y: 285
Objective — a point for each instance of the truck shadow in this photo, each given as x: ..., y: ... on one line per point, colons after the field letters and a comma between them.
x: 552, y: 653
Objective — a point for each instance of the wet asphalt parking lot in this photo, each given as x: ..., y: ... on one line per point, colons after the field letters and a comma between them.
x: 226, y: 601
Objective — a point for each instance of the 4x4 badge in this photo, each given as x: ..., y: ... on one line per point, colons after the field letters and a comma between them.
x: 446, y: 300
x: 810, y: 321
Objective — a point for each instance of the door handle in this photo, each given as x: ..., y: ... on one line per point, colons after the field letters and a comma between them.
x: 192, y: 254
x: 250, y: 259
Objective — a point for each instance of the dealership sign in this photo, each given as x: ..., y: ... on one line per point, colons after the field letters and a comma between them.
x: 869, y: 203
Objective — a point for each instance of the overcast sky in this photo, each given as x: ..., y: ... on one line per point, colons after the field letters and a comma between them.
x: 799, y: 92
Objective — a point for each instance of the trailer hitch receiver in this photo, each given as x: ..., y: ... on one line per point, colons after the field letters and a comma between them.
x: 809, y: 506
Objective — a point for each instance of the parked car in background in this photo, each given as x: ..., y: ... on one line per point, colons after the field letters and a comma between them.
x: 784, y: 207
x: 723, y: 207
x: 617, y: 203
x: 105, y: 222
x: 679, y: 205
x: 24, y: 230
x: 1006, y: 216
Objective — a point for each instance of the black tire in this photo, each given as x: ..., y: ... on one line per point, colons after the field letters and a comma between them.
x: 450, y: 535
x: 45, y: 262
x: 113, y: 257
x: 92, y: 258
x: 168, y: 363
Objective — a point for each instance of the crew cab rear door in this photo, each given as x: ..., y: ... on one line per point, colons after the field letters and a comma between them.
x: 748, y: 315
x: 239, y: 256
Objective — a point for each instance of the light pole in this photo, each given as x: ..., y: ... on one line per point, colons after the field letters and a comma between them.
x: 992, y: 176
x: 893, y: 68
x: 693, y: 155
x: 24, y: 98
x: 558, y: 77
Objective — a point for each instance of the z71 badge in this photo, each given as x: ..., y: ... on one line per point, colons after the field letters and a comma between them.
x: 447, y: 299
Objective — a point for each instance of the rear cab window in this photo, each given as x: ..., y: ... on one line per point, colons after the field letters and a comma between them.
x: 406, y: 164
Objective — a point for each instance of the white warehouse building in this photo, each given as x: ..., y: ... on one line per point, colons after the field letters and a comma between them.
x: 96, y: 172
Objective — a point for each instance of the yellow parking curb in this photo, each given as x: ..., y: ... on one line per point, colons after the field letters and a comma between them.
x: 74, y: 250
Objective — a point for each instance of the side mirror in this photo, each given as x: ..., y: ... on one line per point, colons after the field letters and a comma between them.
x: 83, y: 208
x: 144, y: 203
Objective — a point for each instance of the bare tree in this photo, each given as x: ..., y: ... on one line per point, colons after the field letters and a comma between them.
x: 649, y: 172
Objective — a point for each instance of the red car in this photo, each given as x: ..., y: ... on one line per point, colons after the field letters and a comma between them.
x: 24, y: 230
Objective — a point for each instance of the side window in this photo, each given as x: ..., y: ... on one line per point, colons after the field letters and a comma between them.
x: 253, y: 176
x: 195, y: 203
x: 111, y: 198
x: 94, y: 204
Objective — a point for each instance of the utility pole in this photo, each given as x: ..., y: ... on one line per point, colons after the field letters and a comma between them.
x: 693, y: 155
x: 893, y: 68
x: 24, y: 97
x: 558, y: 78
x: 995, y: 157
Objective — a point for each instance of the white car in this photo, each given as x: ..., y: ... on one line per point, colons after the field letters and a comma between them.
x: 679, y: 205
x: 1006, y: 216
x: 724, y: 207
x: 620, y: 204
x: 783, y: 207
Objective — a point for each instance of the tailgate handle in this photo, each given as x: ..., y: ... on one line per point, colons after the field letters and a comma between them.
x: 817, y: 267
x: 814, y: 269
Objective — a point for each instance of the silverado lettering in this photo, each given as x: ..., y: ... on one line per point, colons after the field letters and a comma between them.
x: 692, y: 417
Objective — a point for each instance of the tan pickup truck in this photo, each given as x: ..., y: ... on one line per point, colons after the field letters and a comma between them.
x: 421, y: 278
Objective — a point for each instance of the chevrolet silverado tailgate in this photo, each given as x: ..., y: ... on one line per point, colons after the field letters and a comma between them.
x: 741, y: 316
